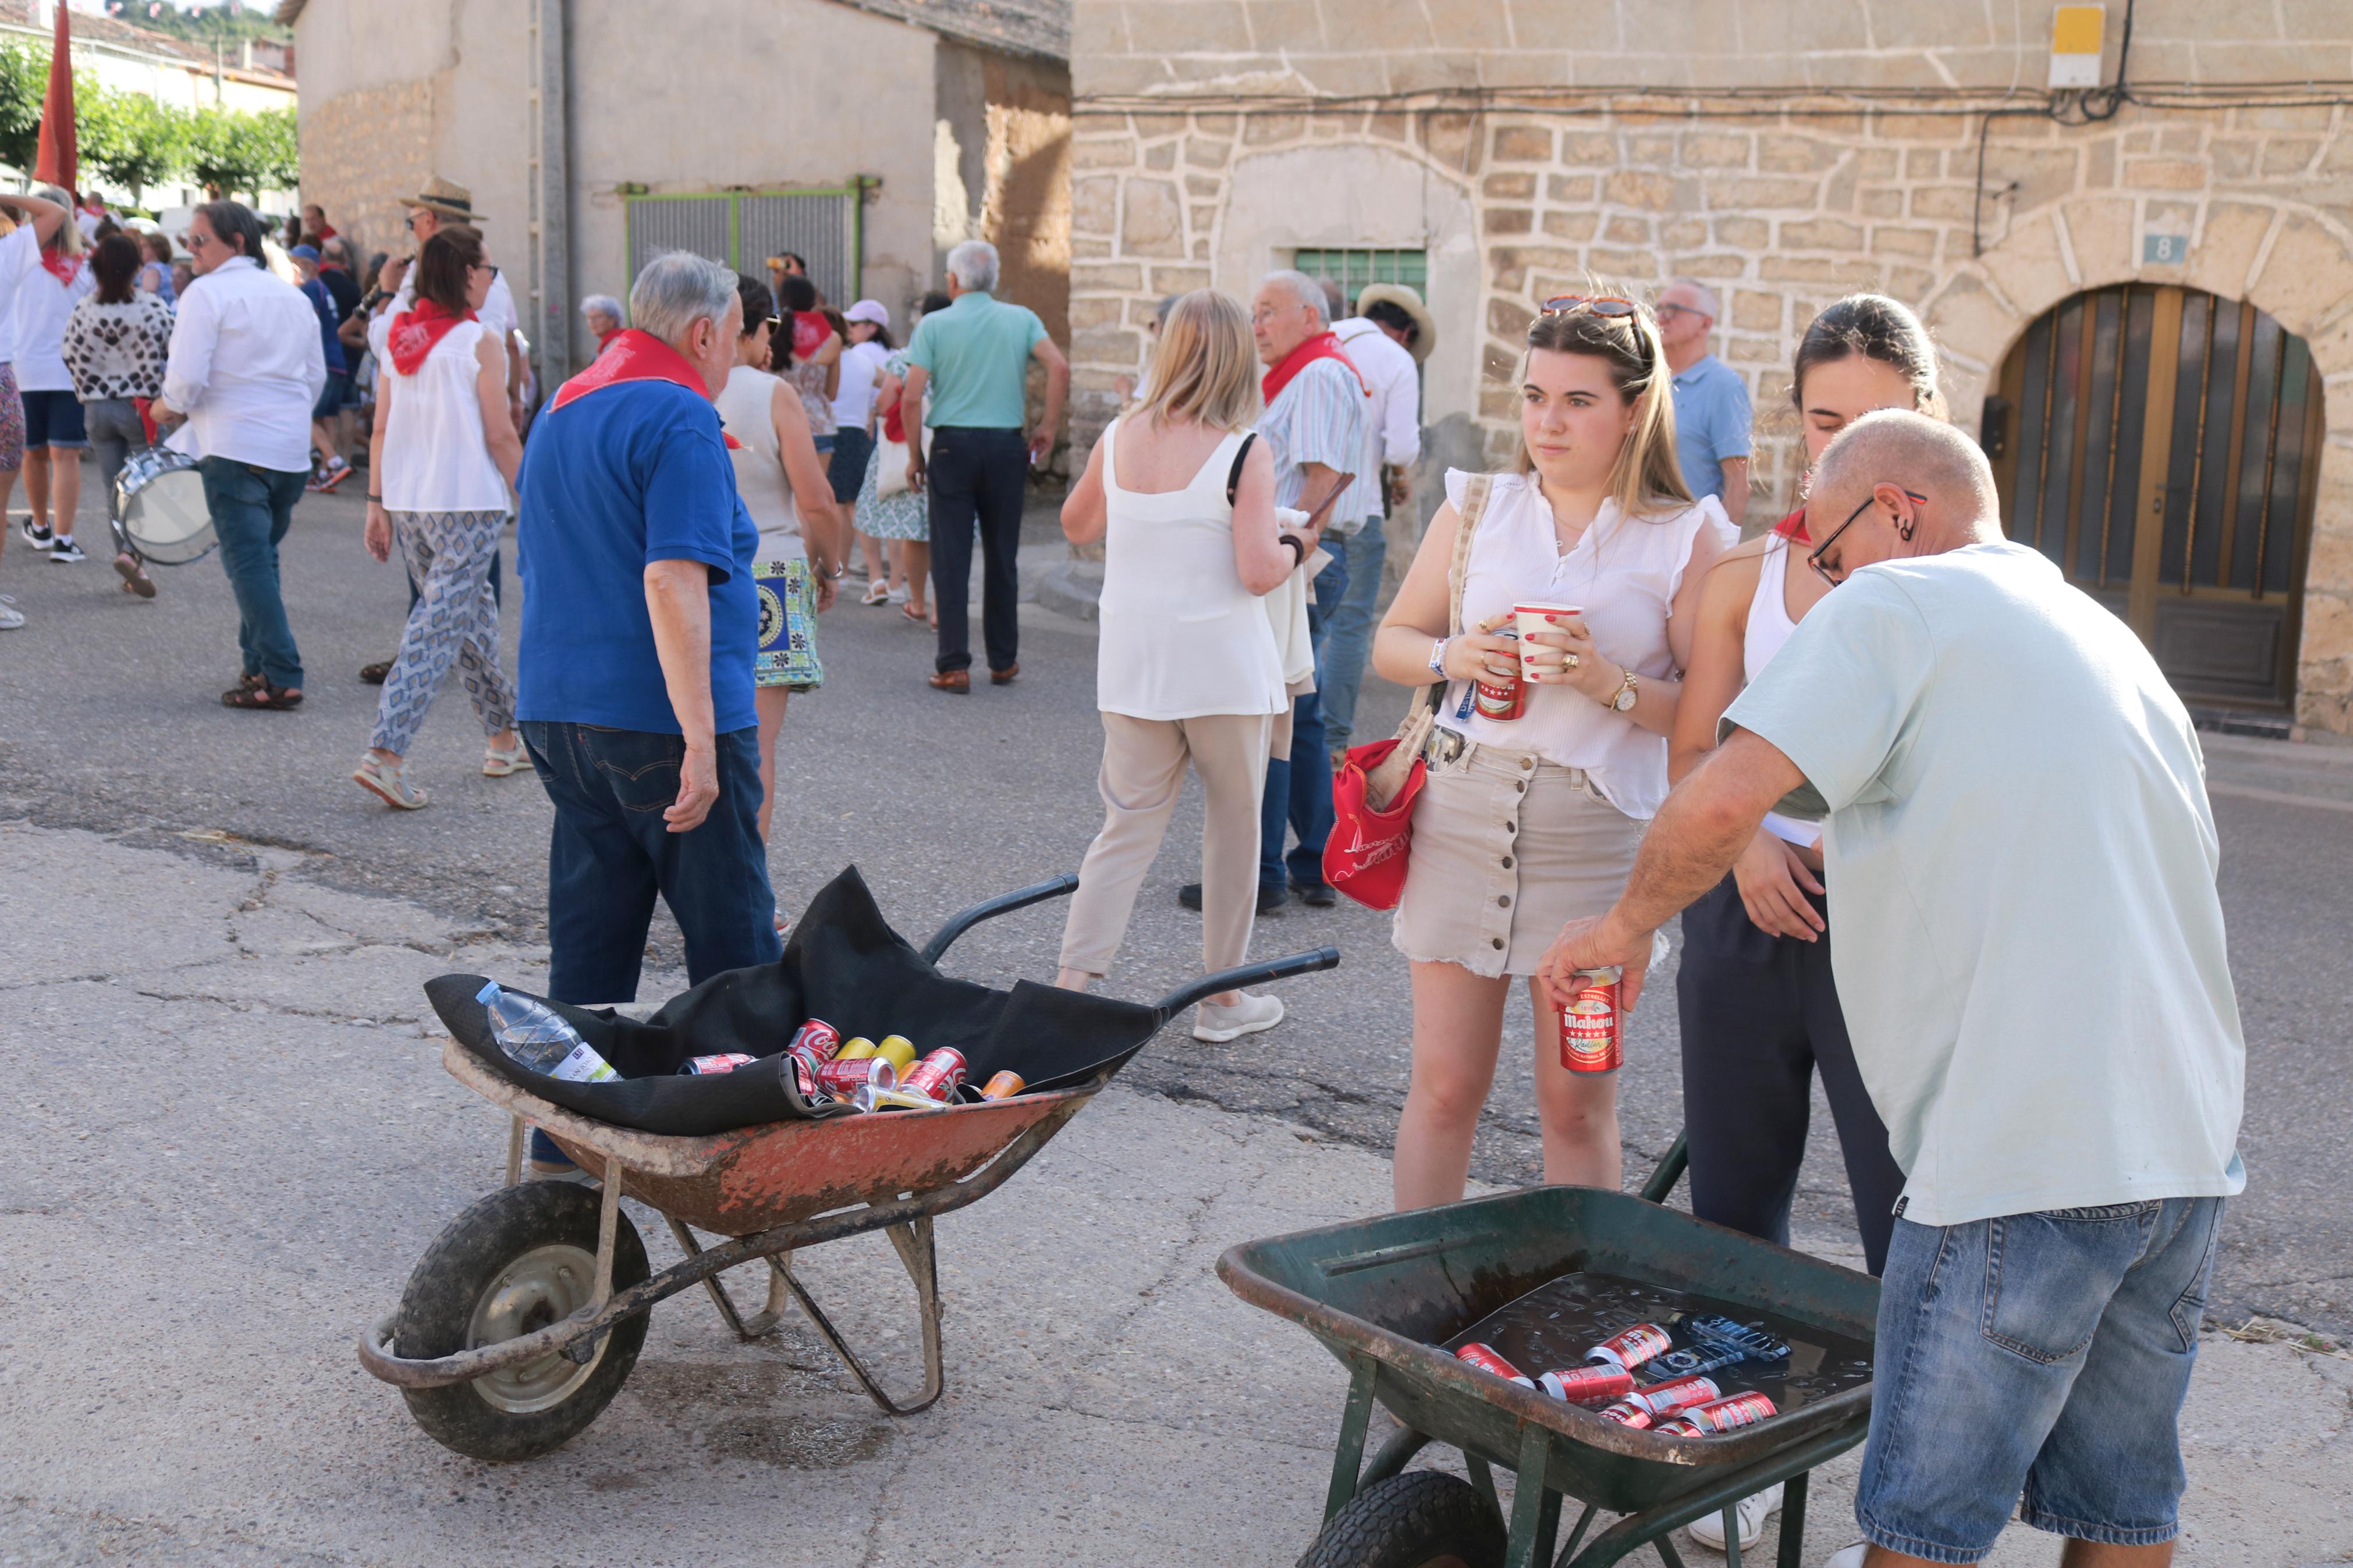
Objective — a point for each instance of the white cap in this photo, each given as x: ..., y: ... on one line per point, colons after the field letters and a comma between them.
x: 872, y: 310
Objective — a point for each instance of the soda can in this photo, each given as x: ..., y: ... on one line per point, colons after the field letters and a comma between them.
x: 899, y: 1051
x: 726, y: 1061
x: 802, y: 1078
x: 1587, y: 1385
x: 1484, y: 1358
x: 1003, y: 1086
x: 937, y: 1075
x: 1720, y: 1415
x: 814, y: 1042
x: 872, y: 1098
x: 1632, y: 1348
x: 1592, y: 1029
x: 839, y: 1078
x: 1503, y: 700
x: 854, y: 1050
x: 1646, y: 1406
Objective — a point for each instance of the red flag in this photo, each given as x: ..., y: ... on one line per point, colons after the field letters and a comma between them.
x: 56, y: 161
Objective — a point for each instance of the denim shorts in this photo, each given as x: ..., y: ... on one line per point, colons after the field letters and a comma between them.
x: 53, y: 419
x: 2038, y: 1360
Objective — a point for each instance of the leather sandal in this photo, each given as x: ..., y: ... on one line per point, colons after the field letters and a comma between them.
x: 956, y: 680
x: 260, y: 695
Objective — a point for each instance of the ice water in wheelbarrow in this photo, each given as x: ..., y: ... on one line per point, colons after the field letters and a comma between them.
x: 1558, y: 1323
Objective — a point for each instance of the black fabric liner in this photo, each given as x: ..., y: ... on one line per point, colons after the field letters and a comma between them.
x: 844, y: 965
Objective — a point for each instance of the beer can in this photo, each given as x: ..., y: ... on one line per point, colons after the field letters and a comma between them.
x: 1592, y: 1029
x: 899, y: 1051
x: 854, y: 1050
x: 1484, y: 1358
x: 1003, y: 1086
x: 1632, y: 1348
x: 726, y: 1061
x: 1646, y: 1406
x: 1503, y: 700
x: 1720, y: 1415
x: 1587, y: 1385
x: 873, y: 1099
x: 814, y: 1042
x: 937, y: 1075
x: 839, y: 1078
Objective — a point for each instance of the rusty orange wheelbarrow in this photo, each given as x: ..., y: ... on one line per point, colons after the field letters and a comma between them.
x: 524, y: 1318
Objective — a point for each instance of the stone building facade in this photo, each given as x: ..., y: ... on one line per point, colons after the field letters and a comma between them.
x: 1785, y: 155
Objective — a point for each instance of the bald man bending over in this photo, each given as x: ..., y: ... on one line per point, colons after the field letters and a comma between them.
x: 2029, y: 946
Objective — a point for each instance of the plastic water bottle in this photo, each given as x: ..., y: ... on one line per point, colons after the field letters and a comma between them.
x: 535, y: 1036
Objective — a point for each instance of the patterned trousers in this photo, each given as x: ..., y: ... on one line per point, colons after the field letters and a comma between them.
x: 454, y: 622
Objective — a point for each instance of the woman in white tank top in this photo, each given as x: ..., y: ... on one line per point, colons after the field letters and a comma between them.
x: 1524, y: 825
x: 1188, y: 670
x: 441, y: 466
x: 784, y: 486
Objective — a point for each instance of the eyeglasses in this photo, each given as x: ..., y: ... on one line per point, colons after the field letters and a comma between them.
x: 1676, y: 309
x: 1815, y: 559
x: 1599, y: 304
x: 771, y: 323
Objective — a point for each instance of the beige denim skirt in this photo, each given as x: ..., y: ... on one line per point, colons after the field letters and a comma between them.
x: 1507, y: 848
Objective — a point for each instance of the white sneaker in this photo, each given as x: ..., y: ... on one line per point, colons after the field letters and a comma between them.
x: 1849, y: 1556
x: 10, y: 617
x: 1248, y: 1016
x: 1708, y: 1530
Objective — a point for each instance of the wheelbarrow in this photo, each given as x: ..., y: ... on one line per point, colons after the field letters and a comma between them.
x: 1383, y: 1294
x: 526, y: 1316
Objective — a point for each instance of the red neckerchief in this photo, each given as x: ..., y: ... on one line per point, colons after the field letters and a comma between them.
x: 62, y: 267
x: 1323, y: 345
x: 415, y: 332
x: 607, y: 336
x: 633, y: 355
x: 810, y: 332
x: 1793, y: 527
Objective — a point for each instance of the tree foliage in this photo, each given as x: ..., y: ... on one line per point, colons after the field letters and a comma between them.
x: 24, y: 81
x: 130, y: 139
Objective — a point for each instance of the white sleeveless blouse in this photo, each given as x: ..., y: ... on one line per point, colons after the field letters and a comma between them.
x: 1624, y: 572
x: 744, y: 409
x: 1769, y: 627
x: 1182, y: 637
x: 436, y: 458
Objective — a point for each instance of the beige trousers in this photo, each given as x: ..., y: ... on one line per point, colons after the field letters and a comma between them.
x: 1143, y: 772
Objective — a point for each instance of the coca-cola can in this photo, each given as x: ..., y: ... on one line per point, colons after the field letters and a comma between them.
x: 1587, y: 1385
x: 1720, y: 1415
x: 1003, y: 1086
x: 839, y: 1078
x: 1646, y: 1406
x: 1633, y: 1347
x: 1592, y: 1028
x: 814, y: 1042
x: 937, y: 1075
x: 725, y: 1061
x: 1505, y: 700
x: 1485, y: 1359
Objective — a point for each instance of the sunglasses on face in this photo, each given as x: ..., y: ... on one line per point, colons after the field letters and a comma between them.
x: 1815, y: 559
x: 1599, y: 304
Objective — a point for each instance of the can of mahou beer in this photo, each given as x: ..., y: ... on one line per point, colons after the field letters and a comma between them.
x: 814, y: 1042
x: 1587, y: 1385
x: 1485, y: 1359
x: 1592, y: 1028
x: 1720, y: 1415
x: 840, y: 1079
x: 1633, y: 1347
x: 726, y: 1061
x: 1503, y: 700
x: 937, y: 1075
x: 1646, y: 1406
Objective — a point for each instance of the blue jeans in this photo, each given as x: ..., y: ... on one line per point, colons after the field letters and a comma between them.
x: 1351, y: 639
x: 610, y: 852
x: 2042, y: 1354
x: 1299, y: 788
x: 251, y: 509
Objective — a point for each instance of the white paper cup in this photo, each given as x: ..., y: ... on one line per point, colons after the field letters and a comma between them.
x: 1528, y: 619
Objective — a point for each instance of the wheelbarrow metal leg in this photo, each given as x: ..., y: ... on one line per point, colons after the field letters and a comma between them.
x: 1532, y: 1502
x: 1731, y: 1517
x: 1575, y: 1535
x: 1348, y: 1455
x: 916, y: 1252
x: 1793, y: 1522
x: 1483, y: 1480
x: 514, y: 1150
x: 1394, y: 1456
x: 582, y: 1351
x: 718, y: 1296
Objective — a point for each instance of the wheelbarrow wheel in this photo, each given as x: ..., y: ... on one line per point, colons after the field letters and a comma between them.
x: 1419, y: 1520
x: 518, y: 1260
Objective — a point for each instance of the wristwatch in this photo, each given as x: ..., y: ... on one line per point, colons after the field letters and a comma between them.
x: 1437, y: 658
x: 1624, y: 702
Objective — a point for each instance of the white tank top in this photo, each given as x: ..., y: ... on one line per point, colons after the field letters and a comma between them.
x: 1769, y: 627
x: 744, y: 406
x: 1182, y: 637
x: 435, y: 455
x: 1624, y: 572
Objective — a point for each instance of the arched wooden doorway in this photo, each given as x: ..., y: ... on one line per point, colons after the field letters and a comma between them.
x: 2162, y: 446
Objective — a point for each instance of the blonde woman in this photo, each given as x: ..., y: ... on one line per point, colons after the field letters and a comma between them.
x: 1182, y: 495
x: 1525, y: 824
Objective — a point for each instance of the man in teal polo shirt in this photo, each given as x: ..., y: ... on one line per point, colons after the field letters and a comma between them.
x: 973, y: 359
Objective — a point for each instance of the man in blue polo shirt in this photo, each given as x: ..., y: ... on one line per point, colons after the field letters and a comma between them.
x: 639, y: 624
x: 1712, y: 411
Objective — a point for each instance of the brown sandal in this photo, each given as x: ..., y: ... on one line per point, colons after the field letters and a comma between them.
x: 255, y: 692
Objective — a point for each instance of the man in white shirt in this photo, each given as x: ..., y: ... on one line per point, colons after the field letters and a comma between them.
x: 245, y: 367
x: 438, y: 204
x: 1388, y: 339
x: 2029, y: 946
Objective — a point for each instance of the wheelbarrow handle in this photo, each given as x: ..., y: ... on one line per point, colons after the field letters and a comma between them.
x: 1208, y: 985
x: 989, y: 908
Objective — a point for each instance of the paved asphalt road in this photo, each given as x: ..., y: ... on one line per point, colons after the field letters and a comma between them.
x: 110, y: 720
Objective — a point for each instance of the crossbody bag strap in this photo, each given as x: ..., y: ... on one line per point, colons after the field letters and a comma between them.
x: 1234, y: 474
x: 1474, y: 508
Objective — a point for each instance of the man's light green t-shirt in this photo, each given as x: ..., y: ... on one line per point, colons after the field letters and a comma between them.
x: 977, y: 352
x: 2020, y: 858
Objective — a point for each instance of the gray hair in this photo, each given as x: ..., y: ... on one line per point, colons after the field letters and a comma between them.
x: 1710, y: 305
x: 601, y: 305
x: 1303, y: 289
x: 974, y: 264
x: 678, y: 289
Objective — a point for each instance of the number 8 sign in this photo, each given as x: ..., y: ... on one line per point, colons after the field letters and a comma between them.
x: 2164, y: 249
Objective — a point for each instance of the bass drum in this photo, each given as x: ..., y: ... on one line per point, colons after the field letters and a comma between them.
x: 161, y: 503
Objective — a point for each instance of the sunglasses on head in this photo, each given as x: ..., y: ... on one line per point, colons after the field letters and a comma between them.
x: 1599, y: 304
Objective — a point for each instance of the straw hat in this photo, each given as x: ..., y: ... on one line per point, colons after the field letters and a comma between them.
x: 453, y: 202
x: 1405, y: 298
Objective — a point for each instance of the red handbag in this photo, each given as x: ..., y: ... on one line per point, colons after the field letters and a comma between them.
x: 1374, y: 793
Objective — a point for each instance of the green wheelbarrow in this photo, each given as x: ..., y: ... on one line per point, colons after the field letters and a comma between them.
x: 1384, y: 1294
